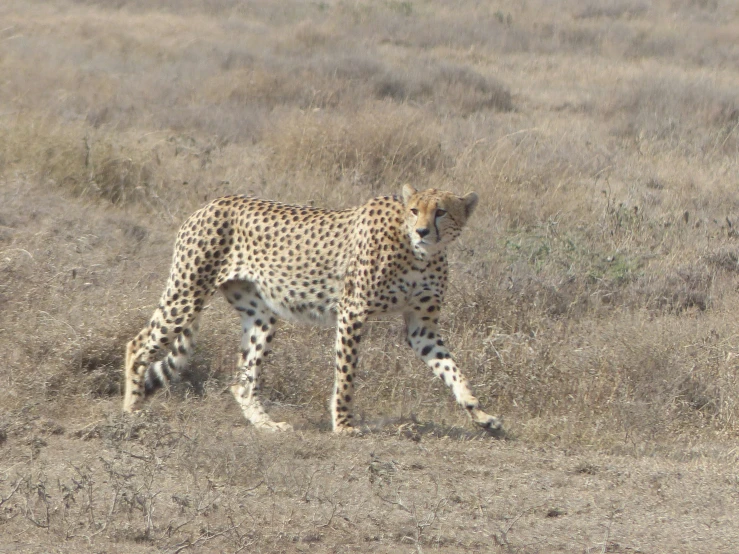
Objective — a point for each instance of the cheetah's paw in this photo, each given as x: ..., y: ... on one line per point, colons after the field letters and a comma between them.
x: 274, y: 426
x: 491, y: 424
x: 348, y: 430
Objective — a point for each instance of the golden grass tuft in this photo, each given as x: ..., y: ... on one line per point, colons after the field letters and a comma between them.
x: 383, y: 147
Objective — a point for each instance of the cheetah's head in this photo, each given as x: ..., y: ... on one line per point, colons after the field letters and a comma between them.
x: 434, y: 218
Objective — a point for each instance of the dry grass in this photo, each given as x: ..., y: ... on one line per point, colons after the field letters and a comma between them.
x: 593, y: 299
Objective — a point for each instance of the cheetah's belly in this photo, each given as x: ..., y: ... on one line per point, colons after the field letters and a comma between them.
x: 301, y: 306
x: 317, y: 315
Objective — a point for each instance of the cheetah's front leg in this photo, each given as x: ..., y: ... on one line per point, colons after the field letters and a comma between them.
x: 424, y: 339
x: 348, y: 334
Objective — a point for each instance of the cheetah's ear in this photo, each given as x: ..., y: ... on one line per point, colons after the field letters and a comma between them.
x: 470, y: 203
x: 408, y: 191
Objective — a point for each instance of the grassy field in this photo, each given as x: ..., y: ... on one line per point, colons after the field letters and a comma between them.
x: 593, y: 300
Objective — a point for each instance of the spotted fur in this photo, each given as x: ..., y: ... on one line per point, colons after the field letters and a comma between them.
x: 308, y: 265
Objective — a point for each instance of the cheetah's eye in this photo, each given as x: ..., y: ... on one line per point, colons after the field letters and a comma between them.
x: 414, y: 211
x: 440, y: 213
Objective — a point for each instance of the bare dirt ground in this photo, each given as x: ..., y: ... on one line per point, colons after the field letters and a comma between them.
x: 593, y: 300
x: 196, y: 477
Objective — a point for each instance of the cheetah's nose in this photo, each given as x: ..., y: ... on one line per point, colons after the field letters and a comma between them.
x: 422, y: 232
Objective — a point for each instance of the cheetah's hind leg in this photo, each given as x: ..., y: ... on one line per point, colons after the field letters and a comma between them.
x: 257, y: 324
x: 145, y: 376
x: 160, y: 374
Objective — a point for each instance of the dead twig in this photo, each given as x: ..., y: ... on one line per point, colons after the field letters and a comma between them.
x: 205, y: 537
x: 501, y: 539
x: 12, y: 492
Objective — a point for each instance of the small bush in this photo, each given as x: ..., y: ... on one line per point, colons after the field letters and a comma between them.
x: 69, y: 158
x: 448, y: 87
x: 613, y: 9
x: 672, y: 114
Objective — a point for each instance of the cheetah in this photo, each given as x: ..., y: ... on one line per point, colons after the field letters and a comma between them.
x: 304, y: 264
